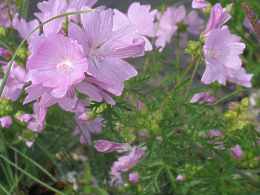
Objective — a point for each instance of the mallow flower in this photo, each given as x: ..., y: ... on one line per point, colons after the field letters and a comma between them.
x: 218, y: 17
x: 237, y: 152
x: 222, y: 52
x: 167, y: 25
x: 124, y: 164
x: 15, y: 82
x: 24, y: 28
x: 106, y: 51
x: 203, y: 97
x: 199, y: 4
x: 87, y: 126
x: 57, y: 63
x: 134, y: 177
x: 6, y: 121
x: 78, y: 5
x: 106, y: 146
x: 141, y: 18
x: 49, y: 9
x: 7, y: 11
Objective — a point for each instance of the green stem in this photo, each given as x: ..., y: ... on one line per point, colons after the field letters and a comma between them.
x: 3, y: 189
x: 31, y: 176
x: 11, y: 62
x: 197, y: 64
x: 228, y: 96
x: 35, y: 164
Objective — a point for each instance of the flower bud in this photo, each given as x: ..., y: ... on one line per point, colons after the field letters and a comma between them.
x: 133, y: 177
x: 6, y: 121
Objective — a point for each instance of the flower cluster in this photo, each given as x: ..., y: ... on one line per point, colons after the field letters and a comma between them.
x: 78, y: 54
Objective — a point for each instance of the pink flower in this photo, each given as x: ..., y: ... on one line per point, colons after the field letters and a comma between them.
x: 215, y: 133
x: 141, y: 18
x: 6, y: 121
x: 106, y: 146
x: 15, y: 83
x: 106, y: 51
x: 167, y: 26
x: 195, y: 24
x: 180, y: 178
x: 56, y: 64
x: 203, y: 97
x: 125, y: 163
x: 86, y: 127
x: 49, y: 9
x: 199, y: 4
x: 25, y: 28
x: 25, y: 118
x: 237, y: 152
x: 222, y: 56
x: 78, y: 5
x: 7, y: 10
x: 218, y: 17
x: 134, y: 177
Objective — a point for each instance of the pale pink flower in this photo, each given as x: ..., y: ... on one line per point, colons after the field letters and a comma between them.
x: 134, y: 177
x: 199, y: 4
x: 24, y: 118
x: 106, y: 51
x: 203, y: 97
x: 180, y: 178
x: 6, y: 121
x: 215, y: 133
x: 49, y: 9
x: 86, y: 127
x: 7, y: 11
x: 79, y: 5
x: 15, y: 83
x: 43, y: 101
x: 237, y: 152
x: 141, y: 18
x: 106, y: 146
x: 195, y: 24
x: 25, y: 28
x: 167, y: 25
x: 218, y: 17
x: 222, y: 52
x: 57, y: 64
x: 124, y: 164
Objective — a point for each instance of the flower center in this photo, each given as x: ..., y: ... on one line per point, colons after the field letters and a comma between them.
x: 65, y: 66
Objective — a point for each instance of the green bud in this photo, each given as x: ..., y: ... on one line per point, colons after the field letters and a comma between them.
x: 194, y: 48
